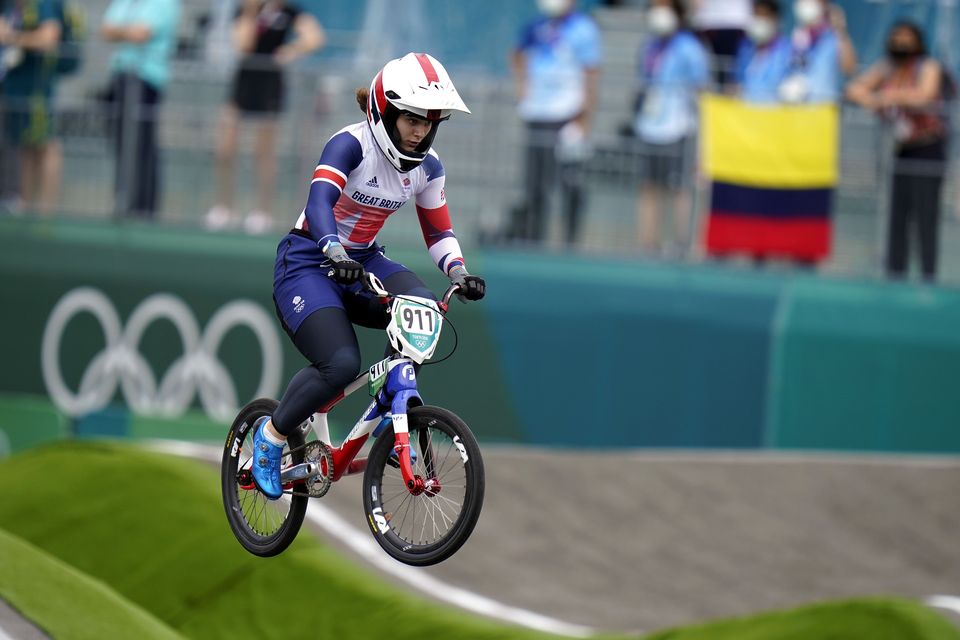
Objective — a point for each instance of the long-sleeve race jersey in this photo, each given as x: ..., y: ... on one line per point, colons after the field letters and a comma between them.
x: 355, y: 189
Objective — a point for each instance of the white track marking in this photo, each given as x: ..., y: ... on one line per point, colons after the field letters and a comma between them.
x: 361, y: 543
x: 950, y: 603
x: 4, y: 636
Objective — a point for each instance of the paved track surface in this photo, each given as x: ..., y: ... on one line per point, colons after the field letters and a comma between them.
x: 13, y: 626
x: 638, y: 542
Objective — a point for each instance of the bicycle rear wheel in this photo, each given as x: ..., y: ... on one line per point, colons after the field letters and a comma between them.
x: 264, y: 527
x: 428, y: 528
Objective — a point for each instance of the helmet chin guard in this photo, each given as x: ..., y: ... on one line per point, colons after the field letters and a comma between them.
x: 416, y: 84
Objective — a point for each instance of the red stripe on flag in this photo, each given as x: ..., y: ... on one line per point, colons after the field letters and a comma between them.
x: 730, y: 233
x: 330, y: 175
x: 427, y: 67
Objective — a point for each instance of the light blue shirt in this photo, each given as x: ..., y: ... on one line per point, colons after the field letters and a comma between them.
x: 672, y: 72
x: 760, y: 70
x: 817, y: 59
x: 150, y: 61
x: 558, y: 54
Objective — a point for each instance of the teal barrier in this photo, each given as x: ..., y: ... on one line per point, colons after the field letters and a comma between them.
x: 866, y: 366
x: 618, y: 353
x: 566, y: 350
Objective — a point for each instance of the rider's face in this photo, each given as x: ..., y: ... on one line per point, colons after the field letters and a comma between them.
x: 412, y: 130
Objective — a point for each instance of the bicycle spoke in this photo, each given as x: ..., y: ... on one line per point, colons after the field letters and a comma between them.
x: 443, y: 463
x: 402, y: 491
x: 453, y: 503
x: 257, y: 511
x: 406, y: 512
x: 435, y: 509
x: 426, y: 451
x: 432, y: 517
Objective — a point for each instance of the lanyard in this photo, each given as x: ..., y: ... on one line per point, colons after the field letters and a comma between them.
x: 654, y: 58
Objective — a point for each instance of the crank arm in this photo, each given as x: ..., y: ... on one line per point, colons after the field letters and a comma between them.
x: 299, y: 472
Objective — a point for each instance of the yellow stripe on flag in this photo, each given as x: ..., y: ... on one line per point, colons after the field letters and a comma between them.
x: 786, y: 146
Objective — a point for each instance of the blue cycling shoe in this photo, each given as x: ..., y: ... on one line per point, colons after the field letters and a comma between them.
x: 266, y: 462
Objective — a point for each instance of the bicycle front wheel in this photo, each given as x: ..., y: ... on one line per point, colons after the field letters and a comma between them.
x: 264, y: 527
x: 427, y: 528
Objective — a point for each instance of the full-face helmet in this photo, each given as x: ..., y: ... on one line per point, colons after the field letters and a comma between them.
x: 415, y: 84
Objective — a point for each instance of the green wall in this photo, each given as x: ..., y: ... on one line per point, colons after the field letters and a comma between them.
x: 566, y: 350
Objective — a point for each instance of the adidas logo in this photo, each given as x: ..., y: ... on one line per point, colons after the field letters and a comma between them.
x: 372, y: 182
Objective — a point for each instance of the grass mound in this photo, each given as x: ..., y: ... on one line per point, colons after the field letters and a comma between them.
x: 152, y: 528
x: 860, y: 619
x: 72, y: 606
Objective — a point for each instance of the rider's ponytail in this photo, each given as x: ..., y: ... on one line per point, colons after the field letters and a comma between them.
x: 363, y: 94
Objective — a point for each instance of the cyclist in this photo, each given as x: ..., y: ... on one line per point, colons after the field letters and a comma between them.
x: 366, y: 172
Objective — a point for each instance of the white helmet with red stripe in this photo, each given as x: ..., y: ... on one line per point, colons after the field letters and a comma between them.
x: 418, y: 84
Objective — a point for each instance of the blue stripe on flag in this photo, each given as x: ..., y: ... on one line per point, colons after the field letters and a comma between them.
x: 770, y: 203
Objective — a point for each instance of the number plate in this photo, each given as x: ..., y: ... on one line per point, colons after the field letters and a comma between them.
x: 417, y: 322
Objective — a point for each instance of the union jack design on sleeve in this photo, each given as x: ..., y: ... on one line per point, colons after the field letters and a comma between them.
x: 341, y: 155
x: 355, y: 189
x: 330, y: 175
x: 435, y: 218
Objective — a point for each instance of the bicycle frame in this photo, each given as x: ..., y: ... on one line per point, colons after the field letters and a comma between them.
x: 388, y: 406
x: 394, y: 389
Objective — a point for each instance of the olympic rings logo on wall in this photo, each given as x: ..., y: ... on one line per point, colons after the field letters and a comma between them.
x: 196, y: 372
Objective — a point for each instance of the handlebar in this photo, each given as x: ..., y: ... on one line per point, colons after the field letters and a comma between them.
x: 372, y: 284
x: 445, y: 301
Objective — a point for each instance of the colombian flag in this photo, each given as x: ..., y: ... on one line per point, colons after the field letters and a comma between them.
x: 773, y: 170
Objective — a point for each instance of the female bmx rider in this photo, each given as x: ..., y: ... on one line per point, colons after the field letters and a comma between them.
x: 366, y: 172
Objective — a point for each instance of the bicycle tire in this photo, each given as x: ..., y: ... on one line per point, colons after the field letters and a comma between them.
x: 239, y: 438
x: 383, y: 523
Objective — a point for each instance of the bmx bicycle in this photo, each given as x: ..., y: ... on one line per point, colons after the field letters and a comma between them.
x: 423, y: 479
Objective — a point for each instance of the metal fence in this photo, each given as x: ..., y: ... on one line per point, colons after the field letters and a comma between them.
x: 483, y: 154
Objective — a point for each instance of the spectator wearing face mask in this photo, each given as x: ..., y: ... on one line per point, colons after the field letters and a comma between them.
x: 822, y: 54
x: 908, y: 90
x: 722, y: 24
x: 673, y: 69
x: 764, y: 58
x: 556, y: 70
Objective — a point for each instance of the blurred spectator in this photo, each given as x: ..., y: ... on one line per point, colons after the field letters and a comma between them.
x: 764, y: 58
x: 908, y: 89
x: 146, y: 32
x: 216, y: 37
x: 30, y: 34
x: 722, y: 24
x: 822, y: 53
x: 261, y: 33
x: 673, y: 68
x: 556, y: 67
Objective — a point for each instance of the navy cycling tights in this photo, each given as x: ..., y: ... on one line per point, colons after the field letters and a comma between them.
x: 327, y: 339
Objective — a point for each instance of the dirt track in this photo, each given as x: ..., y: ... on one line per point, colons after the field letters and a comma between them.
x: 637, y: 542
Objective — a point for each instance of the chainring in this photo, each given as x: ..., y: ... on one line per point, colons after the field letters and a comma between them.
x: 320, y: 454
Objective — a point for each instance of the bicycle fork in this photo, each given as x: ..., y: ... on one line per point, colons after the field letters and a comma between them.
x: 394, y: 388
x: 399, y: 389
